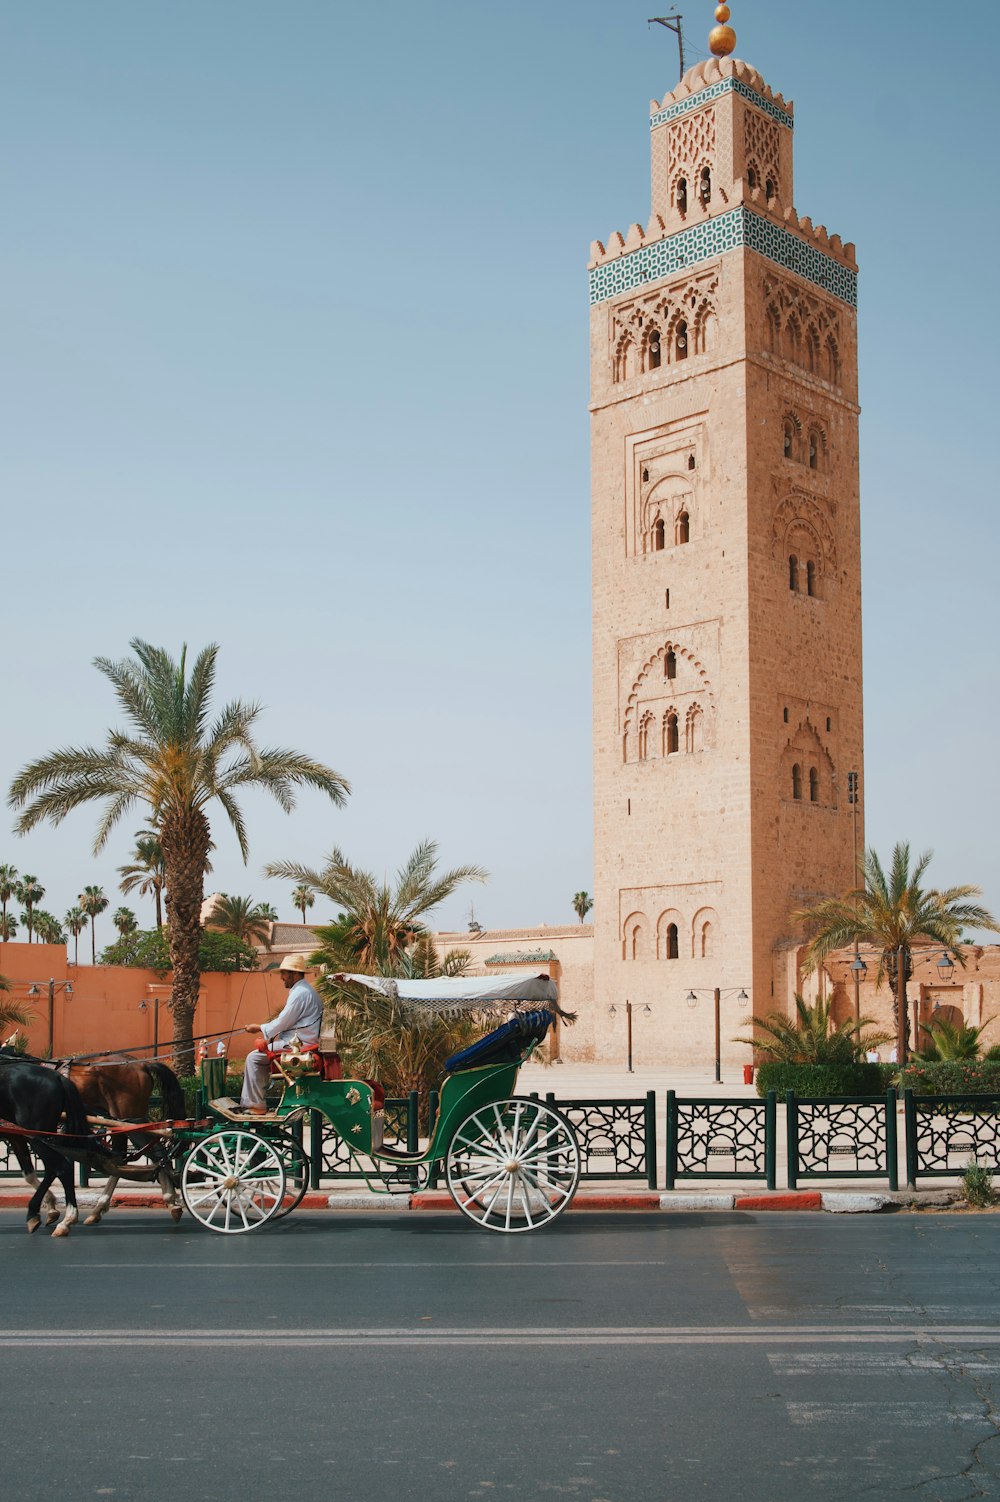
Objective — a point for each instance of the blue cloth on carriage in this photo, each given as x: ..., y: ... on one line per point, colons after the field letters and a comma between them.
x: 504, y: 1044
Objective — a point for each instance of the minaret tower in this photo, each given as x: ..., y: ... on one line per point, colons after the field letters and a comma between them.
x: 727, y: 583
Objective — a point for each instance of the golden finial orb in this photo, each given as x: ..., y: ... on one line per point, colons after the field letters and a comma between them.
x: 722, y: 39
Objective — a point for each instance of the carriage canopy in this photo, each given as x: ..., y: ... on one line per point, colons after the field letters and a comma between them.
x: 453, y: 995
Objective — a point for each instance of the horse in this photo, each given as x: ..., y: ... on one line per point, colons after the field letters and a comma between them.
x: 118, y: 1089
x: 121, y: 1088
x: 38, y: 1100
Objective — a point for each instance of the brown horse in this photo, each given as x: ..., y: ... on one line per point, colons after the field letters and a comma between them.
x: 121, y: 1089
x: 118, y: 1089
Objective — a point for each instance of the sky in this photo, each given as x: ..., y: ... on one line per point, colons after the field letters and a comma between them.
x: 293, y: 358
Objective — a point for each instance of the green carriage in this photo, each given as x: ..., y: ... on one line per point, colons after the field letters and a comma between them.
x: 511, y: 1163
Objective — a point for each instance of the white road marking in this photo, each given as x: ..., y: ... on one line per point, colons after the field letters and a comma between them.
x: 924, y: 1338
x: 896, y: 1415
x: 264, y: 1267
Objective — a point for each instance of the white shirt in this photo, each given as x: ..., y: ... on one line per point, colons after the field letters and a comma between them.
x: 302, y: 1014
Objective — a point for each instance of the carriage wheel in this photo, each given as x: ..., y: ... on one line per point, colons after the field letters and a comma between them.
x: 513, y: 1166
x: 233, y: 1182
x: 296, y: 1164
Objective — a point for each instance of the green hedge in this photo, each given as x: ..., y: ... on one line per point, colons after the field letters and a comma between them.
x: 955, y: 1077
x: 825, y: 1079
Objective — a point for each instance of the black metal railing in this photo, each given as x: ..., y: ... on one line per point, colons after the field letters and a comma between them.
x: 841, y: 1137
x: 721, y: 1139
x: 944, y: 1133
x: 707, y: 1138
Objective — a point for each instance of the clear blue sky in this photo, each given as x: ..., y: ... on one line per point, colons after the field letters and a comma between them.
x: 294, y: 358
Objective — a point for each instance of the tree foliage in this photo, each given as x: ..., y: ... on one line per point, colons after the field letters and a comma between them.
x: 812, y: 1037
x: 149, y: 949
x: 176, y: 762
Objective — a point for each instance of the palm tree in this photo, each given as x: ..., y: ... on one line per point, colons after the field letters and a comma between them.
x: 379, y: 923
x: 249, y: 921
x: 11, y: 1015
x: 302, y: 898
x: 124, y: 920
x: 30, y: 891
x: 582, y: 903
x: 8, y: 887
x: 812, y: 1038
x: 93, y: 901
x: 8, y: 927
x: 48, y: 929
x: 174, y: 760
x: 76, y: 921
x: 380, y: 930
x: 145, y: 873
x: 892, y: 912
x: 948, y: 1041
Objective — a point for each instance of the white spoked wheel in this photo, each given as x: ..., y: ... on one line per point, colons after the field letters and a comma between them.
x: 233, y: 1182
x: 513, y: 1166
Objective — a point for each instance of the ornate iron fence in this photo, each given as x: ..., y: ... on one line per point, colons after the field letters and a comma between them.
x: 721, y: 1139
x: 617, y: 1137
x: 944, y: 1133
x: 841, y: 1137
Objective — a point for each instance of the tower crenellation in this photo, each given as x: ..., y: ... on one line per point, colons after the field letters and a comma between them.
x: 727, y: 646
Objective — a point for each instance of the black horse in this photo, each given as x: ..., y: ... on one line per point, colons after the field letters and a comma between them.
x: 39, y: 1100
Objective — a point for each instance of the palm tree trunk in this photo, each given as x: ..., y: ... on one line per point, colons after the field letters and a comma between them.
x: 76, y: 947
x: 185, y: 842
x: 901, y: 1017
x: 93, y: 941
x: 159, y: 909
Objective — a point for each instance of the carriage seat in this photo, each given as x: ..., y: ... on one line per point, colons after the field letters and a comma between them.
x: 504, y: 1045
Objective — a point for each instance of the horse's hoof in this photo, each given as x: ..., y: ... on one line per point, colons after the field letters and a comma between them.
x: 61, y: 1231
x: 175, y: 1213
x: 51, y: 1217
x: 32, y: 1224
x: 92, y: 1220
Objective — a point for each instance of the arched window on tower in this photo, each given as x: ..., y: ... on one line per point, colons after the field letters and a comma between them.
x: 682, y: 531
x: 671, y: 739
x: 659, y: 535
x: 813, y: 449
x: 793, y: 573
x: 672, y: 949
x: 796, y: 781
x: 811, y: 578
x: 770, y: 190
x: 692, y: 729
x: 655, y: 353
x: 681, y: 195
x: 751, y: 177
x: 813, y: 785
x: 705, y: 186
x: 670, y: 664
x: 691, y: 461
x: 681, y: 341
x: 644, y: 725
x: 706, y: 941
x: 788, y: 438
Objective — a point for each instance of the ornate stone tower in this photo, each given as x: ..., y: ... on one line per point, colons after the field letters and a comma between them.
x: 727, y: 586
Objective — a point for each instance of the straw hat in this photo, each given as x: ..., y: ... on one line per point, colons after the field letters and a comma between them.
x: 296, y: 962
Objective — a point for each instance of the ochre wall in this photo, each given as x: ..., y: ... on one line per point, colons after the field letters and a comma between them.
x: 103, y: 1011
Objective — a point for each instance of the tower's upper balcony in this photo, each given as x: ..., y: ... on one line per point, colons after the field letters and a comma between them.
x: 721, y: 145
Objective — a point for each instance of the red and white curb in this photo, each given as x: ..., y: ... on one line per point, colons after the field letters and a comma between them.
x: 834, y: 1201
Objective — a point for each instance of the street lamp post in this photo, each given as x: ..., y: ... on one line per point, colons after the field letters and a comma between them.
x: 717, y: 993
x: 51, y: 986
x: 859, y: 970
x: 629, y: 1009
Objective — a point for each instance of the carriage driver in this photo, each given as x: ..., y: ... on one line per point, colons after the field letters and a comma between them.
x: 301, y: 1014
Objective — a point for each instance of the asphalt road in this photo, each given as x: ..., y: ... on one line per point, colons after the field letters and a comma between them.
x: 607, y: 1359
